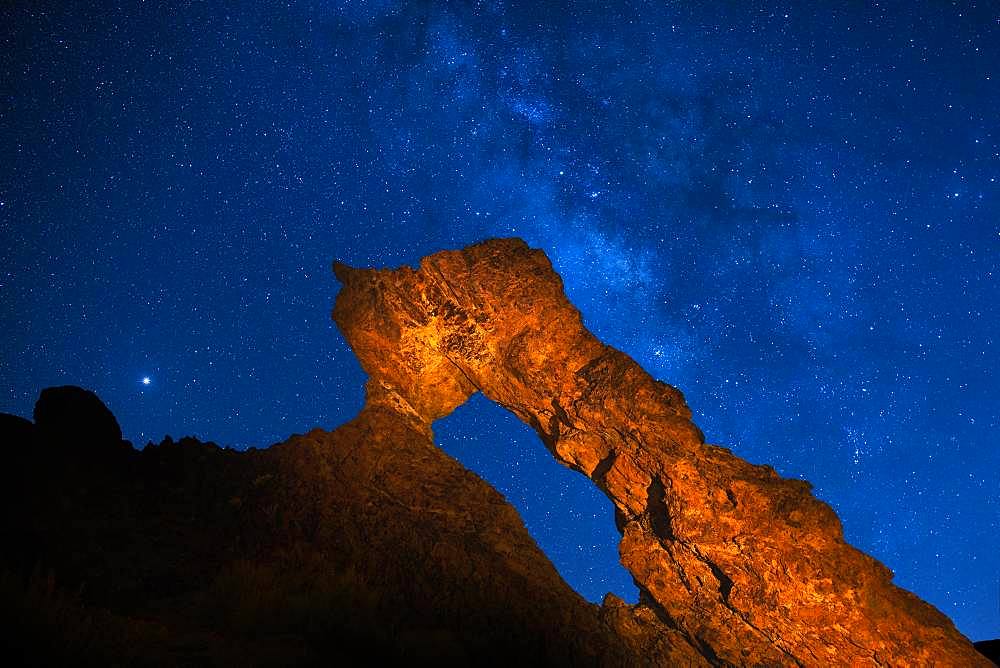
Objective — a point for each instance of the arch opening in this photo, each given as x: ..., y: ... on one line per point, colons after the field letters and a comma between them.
x: 570, y: 519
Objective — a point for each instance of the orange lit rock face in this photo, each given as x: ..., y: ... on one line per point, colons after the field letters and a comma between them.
x: 746, y: 567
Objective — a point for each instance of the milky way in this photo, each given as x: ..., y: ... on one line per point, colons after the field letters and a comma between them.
x: 790, y: 212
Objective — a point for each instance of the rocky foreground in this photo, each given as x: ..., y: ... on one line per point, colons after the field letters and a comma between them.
x: 369, y: 545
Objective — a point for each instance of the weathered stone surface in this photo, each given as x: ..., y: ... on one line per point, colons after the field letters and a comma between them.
x: 730, y: 558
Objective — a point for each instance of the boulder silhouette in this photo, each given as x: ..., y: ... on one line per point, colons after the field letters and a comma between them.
x: 69, y: 414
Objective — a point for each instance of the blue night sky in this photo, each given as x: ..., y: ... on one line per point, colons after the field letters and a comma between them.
x: 788, y: 211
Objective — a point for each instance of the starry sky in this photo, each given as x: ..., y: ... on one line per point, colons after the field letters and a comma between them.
x: 790, y: 211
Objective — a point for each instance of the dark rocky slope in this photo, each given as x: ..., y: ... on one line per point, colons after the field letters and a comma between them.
x: 365, y: 546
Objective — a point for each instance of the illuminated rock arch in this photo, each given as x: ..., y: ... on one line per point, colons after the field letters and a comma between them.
x: 750, y: 568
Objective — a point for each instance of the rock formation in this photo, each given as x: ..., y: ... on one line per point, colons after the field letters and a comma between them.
x: 740, y: 566
x: 369, y: 545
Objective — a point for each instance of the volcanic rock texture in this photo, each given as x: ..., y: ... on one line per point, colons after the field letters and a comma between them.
x: 747, y: 567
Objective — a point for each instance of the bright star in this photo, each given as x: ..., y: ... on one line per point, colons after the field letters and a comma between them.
x: 146, y: 380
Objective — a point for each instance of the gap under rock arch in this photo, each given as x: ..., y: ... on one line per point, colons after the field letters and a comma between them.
x: 568, y: 516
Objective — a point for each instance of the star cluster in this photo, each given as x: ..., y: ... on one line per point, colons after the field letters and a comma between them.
x: 790, y: 211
